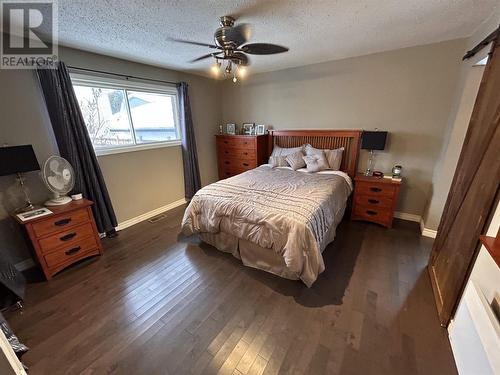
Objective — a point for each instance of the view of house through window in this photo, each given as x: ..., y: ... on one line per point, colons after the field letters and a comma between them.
x: 124, y: 117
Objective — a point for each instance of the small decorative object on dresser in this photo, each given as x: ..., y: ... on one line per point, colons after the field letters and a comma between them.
x: 249, y: 128
x: 240, y: 153
x: 375, y: 199
x: 260, y: 129
x: 231, y: 129
x: 63, y: 237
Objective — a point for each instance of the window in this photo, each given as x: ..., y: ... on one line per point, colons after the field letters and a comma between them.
x: 127, y: 116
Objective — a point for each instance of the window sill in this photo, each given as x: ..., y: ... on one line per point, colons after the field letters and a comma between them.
x: 124, y: 149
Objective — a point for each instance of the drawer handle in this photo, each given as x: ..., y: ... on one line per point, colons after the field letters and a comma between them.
x: 371, y: 213
x: 227, y: 162
x: 72, y: 251
x: 376, y: 189
x: 62, y: 222
x: 226, y: 142
x: 245, y: 153
x: 67, y: 237
x: 245, y: 164
x: 373, y: 201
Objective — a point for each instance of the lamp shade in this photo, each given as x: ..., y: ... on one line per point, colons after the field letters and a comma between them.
x: 373, y: 140
x: 17, y: 159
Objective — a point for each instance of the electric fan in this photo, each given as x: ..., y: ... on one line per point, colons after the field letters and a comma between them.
x: 59, y: 177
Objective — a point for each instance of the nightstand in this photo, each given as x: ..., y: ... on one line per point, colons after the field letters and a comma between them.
x: 375, y: 199
x: 63, y: 237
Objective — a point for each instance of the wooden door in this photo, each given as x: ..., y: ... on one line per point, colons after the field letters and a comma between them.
x: 471, y: 196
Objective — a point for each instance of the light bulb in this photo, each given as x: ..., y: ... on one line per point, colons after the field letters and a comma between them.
x: 242, y: 72
x: 235, y: 79
x: 215, y: 69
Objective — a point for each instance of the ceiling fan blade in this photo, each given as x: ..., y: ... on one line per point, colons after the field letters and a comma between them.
x: 194, y: 43
x: 238, y: 34
x: 205, y: 57
x: 263, y: 49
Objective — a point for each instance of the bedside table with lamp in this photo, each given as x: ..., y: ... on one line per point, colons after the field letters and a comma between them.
x: 63, y: 233
x: 375, y: 197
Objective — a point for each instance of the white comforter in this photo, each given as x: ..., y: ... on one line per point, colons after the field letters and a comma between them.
x: 291, y: 212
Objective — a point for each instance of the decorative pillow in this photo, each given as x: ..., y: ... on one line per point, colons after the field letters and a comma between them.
x: 316, y: 162
x: 280, y: 151
x: 296, y: 160
x: 334, y: 157
x: 278, y: 161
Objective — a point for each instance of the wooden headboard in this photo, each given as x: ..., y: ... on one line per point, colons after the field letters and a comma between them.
x: 323, y: 139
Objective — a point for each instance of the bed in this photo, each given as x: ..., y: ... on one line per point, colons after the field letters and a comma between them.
x: 274, y: 218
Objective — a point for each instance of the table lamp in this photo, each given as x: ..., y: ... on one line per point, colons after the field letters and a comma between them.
x: 372, y: 140
x: 18, y: 160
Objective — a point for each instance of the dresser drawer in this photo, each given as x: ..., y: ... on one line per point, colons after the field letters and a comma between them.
x: 68, y: 237
x: 381, y: 215
x: 241, y: 153
x: 237, y: 142
x: 239, y: 164
x: 374, y: 189
x: 60, y: 222
x: 71, y: 253
x: 227, y: 172
x: 373, y: 202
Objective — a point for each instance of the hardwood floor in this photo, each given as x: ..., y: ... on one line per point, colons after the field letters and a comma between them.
x: 159, y: 303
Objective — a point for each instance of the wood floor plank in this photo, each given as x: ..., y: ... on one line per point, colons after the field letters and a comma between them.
x: 159, y: 303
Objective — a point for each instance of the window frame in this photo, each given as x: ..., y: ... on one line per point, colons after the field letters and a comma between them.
x: 78, y: 79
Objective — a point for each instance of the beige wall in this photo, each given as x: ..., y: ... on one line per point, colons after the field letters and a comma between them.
x: 139, y: 181
x: 407, y: 92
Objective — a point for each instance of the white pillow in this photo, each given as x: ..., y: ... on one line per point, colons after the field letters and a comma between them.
x: 296, y: 160
x: 280, y: 151
x: 334, y: 157
x: 316, y: 162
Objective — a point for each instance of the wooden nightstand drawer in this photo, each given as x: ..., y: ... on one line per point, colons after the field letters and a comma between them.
x: 374, y: 202
x: 379, y: 215
x: 375, y: 199
x: 71, y: 252
x: 67, y: 238
x: 375, y: 189
x: 58, y: 223
x: 246, y: 143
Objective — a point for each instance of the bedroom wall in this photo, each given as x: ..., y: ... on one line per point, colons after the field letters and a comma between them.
x: 407, y: 92
x: 138, y: 181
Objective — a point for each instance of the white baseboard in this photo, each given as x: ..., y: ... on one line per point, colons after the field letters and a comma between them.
x: 426, y: 232
x: 408, y: 217
x: 24, y: 265
x: 150, y: 214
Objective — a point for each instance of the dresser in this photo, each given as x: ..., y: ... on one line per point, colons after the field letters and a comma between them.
x: 60, y: 239
x: 375, y: 199
x: 240, y: 153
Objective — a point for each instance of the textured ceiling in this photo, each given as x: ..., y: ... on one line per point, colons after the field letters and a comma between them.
x: 315, y: 30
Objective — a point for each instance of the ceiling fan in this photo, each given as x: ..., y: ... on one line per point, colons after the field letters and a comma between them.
x: 229, y: 41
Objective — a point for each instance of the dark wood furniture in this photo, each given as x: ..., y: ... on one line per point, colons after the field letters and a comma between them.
x: 63, y: 237
x: 375, y: 199
x: 322, y: 139
x: 240, y: 153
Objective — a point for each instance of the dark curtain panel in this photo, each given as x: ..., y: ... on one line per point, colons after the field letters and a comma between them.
x: 75, y: 144
x: 189, y: 155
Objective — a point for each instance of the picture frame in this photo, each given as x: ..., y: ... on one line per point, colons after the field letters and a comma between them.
x: 248, y: 128
x: 260, y: 129
x: 231, y: 129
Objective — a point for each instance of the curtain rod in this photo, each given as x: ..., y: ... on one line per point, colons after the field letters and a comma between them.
x: 121, y: 75
x: 490, y: 38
